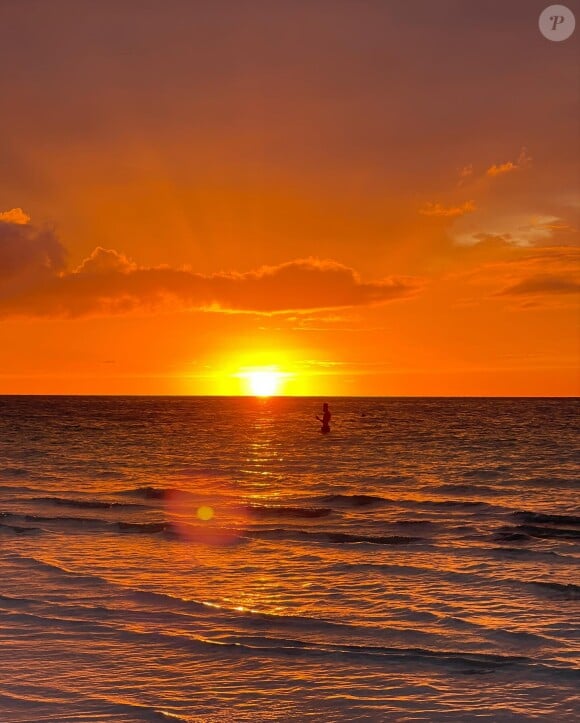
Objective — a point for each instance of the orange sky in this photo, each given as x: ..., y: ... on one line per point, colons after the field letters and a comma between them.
x: 376, y: 198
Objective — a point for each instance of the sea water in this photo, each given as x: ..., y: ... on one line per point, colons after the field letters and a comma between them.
x: 218, y: 559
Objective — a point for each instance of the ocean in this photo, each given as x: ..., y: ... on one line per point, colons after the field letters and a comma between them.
x: 219, y: 559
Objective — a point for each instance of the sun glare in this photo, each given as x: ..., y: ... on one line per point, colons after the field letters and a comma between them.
x: 263, y: 381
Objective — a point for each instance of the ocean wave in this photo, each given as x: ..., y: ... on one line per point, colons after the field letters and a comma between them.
x: 355, y: 500
x: 17, y: 489
x: 543, y: 517
x: 184, y: 605
x: 18, y: 529
x: 460, y: 488
x: 96, y: 524
x: 526, y: 532
x: 330, y: 536
x: 145, y: 528
x: 150, y: 493
x: 458, y: 503
x: 14, y: 472
x: 166, y: 715
x: 231, y: 535
x: 525, y: 552
x: 254, y: 510
x: 414, y: 522
x: 61, y: 706
x: 176, y: 529
x: 568, y: 590
x: 551, y: 481
x: 320, y: 505
x: 364, y: 500
x: 510, y: 534
x: 81, y: 521
x: 549, y: 533
x: 476, y: 662
x: 14, y: 516
x: 239, y: 643
x: 90, y: 504
x: 486, y: 474
x: 89, y: 579
x: 286, y: 511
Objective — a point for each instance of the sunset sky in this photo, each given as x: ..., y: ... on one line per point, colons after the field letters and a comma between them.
x: 367, y: 196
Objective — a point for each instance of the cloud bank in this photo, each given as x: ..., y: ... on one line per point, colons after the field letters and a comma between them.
x: 34, y: 281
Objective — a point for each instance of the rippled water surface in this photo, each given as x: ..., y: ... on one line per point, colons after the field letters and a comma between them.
x: 213, y: 559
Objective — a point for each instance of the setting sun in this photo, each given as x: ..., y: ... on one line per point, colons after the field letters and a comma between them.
x: 263, y: 382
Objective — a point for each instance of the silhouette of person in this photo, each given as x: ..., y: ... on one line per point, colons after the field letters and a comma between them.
x: 325, y: 419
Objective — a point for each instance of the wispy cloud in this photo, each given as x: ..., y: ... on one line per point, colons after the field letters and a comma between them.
x: 437, y: 209
x: 543, y: 284
x: 502, y: 168
x: 546, y: 276
x: 523, y: 161
x: 520, y: 230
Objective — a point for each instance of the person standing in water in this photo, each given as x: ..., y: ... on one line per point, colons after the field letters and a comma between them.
x: 325, y: 419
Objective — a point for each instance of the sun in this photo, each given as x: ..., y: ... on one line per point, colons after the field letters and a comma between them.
x: 264, y: 383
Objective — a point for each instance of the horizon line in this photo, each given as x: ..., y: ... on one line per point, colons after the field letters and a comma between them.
x: 301, y: 396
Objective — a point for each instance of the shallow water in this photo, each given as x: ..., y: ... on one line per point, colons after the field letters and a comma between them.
x: 209, y: 559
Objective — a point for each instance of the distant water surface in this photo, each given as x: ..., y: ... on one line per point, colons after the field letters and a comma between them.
x: 213, y: 559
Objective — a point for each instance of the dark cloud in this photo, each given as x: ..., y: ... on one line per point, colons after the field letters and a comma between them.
x: 26, y: 251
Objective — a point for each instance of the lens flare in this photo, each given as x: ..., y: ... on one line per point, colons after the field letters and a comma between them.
x: 205, y: 516
x: 205, y: 513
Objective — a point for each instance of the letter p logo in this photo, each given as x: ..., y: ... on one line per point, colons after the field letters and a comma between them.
x: 557, y: 22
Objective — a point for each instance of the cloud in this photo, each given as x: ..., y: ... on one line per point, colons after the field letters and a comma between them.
x: 519, y: 229
x: 15, y: 215
x: 466, y: 171
x: 35, y: 282
x: 27, y: 252
x: 543, y: 272
x: 103, y: 261
x: 465, y: 175
x: 502, y: 168
x: 523, y: 161
x: 491, y: 239
x: 541, y: 285
x: 436, y: 209
x: 539, y: 276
